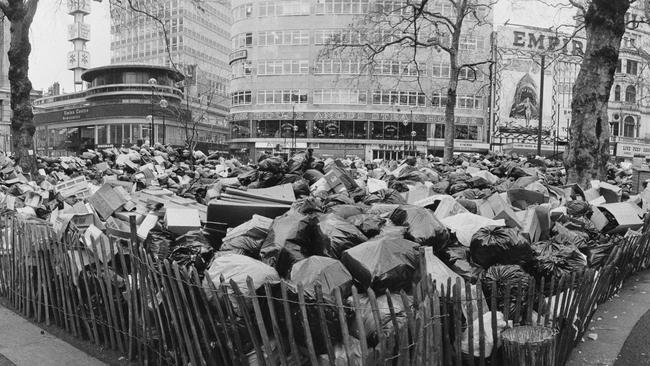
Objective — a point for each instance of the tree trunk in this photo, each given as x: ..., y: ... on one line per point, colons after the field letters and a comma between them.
x: 588, y: 151
x: 450, y: 115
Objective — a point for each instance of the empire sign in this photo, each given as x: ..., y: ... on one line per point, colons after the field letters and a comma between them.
x: 546, y: 42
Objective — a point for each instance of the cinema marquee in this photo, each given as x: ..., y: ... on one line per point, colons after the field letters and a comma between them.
x: 546, y: 42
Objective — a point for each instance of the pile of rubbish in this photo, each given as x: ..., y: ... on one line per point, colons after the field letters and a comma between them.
x: 331, y: 225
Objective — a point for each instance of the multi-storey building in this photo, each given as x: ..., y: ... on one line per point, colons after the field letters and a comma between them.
x: 287, y: 93
x: 198, y: 44
x: 629, y: 104
x: 119, y: 108
x: 528, y: 31
x: 198, y: 40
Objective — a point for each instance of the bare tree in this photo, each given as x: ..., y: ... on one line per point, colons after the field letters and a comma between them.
x: 414, y: 30
x: 194, y: 111
x: 588, y: 153
x: 20, y: 14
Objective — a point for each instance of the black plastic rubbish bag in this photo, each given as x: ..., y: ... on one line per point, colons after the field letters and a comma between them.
x: 578, y: 208
x: 423, y: 226
x: 557, y: 260
x: 500, y: 245
x: 383, y: 263
x: 597, y: 255
x: 338, y: 199
x: 238, y: 268
x: 512, y: 276
x: 195, y: 254
x: 317, y: 332
x: 386, y: 325
x: 308, y: 205
x: 336, y: 235
x: 297, y: 164
x: 346, y: 211
x: 300, y: 188
x: 327, y: 272
x: 248, y: 177
x: 312, y: 176
x: 244, y: 244
x: 290, y: 240
x: 385, y: 196
x: 468, y: 271
x: 369, y: 224
x: 273, y: 164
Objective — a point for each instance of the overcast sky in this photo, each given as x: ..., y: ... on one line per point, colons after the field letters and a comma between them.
x: 50, y: 46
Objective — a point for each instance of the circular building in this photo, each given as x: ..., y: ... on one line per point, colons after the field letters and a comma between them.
x: 288, y: 93
x: 120, y: 107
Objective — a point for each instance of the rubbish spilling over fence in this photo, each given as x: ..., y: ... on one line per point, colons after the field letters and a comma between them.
x: 161, y: 313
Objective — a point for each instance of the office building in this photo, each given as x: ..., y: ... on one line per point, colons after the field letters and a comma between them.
x: 199, y: 41
x: 286, y: 94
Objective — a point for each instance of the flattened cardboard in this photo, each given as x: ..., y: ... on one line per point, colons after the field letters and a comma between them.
x: 106, y: 201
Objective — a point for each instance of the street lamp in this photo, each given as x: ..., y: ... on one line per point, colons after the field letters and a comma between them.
x: 149, y: 119
x: 294, y: 128
x: 153, y: 83
x: 413, y: 133
x: 163, y: 105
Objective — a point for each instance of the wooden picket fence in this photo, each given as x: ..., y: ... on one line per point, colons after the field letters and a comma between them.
x: 158, y: 313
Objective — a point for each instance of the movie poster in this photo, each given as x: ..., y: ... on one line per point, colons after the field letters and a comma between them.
x: 519, y: 98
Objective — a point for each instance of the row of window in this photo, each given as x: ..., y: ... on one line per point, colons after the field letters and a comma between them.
x: 630, y: 94
x: 352, y: 67
x: 354, y: 97
x: 337, y: 36
x: 375, y: 130
x: 342, y: 7
x: 631, y: 67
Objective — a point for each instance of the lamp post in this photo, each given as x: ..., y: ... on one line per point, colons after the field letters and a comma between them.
x: 153, y: 83
x: 294, y: 128
x: 149, y: 119
x: 405, y: 122
x: 163, y: 105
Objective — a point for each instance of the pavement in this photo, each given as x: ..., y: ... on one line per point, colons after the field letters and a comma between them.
x: 25, y: 344
x: 621, y: 328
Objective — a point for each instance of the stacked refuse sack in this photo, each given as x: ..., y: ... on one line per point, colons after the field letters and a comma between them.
x: 332, y: 225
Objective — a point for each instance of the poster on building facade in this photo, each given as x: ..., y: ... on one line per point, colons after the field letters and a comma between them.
x: 519, y: 95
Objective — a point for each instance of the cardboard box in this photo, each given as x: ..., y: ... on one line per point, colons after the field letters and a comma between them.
x: 99, y: 244
x: 235, y: 213
x: 625, y: 217
x: 522, y: 198
x: 181, y: 220
x: 502, y: 210
x: 106, y: 201
x: 530, y: 226
x: 148, y: 223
